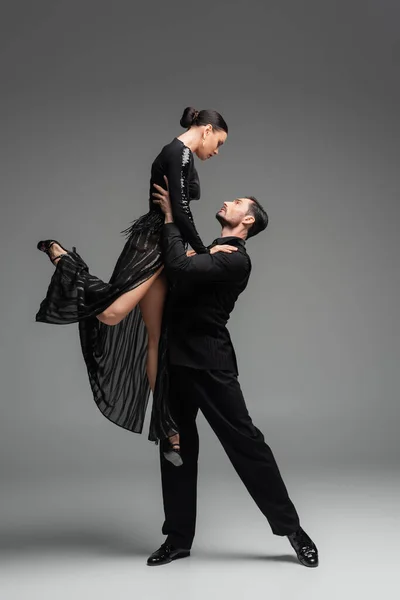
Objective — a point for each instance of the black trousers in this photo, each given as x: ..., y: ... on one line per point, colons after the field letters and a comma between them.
x: 218, y: 395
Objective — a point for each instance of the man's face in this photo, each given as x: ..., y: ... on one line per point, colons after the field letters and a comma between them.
x: 232, y: 213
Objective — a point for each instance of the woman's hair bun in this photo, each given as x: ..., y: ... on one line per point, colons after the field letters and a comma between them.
x: 189, y: 116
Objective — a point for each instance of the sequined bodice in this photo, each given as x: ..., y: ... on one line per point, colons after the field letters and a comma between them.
x: 176, y: 162
x: 159, y: 167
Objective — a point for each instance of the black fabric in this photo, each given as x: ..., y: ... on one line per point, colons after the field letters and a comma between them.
x: 115, y: 357
x: 176, y: 162
x: 218, y: 395
x: 204, y: 290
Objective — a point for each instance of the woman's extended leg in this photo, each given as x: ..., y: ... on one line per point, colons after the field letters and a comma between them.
x: 123, y: 305
x: 151, y: 307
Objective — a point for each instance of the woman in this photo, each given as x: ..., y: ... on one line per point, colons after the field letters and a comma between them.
x: 120, y: 322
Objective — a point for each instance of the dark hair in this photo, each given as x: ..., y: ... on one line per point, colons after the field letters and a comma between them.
x: 260, y: 216
x: 191, y: 116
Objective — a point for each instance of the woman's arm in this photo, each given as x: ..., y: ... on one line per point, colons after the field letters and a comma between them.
x: 177, y: 171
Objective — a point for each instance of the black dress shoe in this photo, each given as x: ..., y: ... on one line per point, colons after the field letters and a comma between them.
x: 305, y: 548
x: 166, y: 554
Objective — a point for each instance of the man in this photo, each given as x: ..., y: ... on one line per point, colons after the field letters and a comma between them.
x: 203, y: 374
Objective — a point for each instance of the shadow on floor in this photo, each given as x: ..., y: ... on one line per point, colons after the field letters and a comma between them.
x: 241, y: 556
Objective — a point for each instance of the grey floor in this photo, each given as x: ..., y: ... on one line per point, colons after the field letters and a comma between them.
x: 89, y: 537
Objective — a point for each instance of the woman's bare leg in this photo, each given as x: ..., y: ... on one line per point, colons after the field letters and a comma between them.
x: 151, y: 307
x: 123, y: 305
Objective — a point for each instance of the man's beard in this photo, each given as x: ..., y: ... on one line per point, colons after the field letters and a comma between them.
x: 221, y: 219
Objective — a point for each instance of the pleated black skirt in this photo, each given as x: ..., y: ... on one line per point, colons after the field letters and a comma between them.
x: 115, y: 356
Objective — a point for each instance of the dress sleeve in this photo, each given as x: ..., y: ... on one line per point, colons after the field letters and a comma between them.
x: 177, y: 170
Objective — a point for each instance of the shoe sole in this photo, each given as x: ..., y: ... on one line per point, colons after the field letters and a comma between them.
x: 174, y: 458
x: 167, y: 562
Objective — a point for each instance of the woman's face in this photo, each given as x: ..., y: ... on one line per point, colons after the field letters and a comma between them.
x: 210, y: 142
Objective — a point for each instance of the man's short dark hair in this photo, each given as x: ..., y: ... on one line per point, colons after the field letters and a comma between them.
x: 260, y: 216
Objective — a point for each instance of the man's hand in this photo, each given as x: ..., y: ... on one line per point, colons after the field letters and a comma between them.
x: 218, y: 248
x: 161, y: 197
x: 223, y: 248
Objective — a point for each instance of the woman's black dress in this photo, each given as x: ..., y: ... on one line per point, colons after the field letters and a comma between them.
x: 116, y: 356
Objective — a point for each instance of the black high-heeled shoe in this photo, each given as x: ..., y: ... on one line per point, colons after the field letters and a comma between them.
x: 45, y: 245
x: 172, y: 452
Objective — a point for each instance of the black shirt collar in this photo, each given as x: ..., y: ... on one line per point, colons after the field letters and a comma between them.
x: 228, y: 240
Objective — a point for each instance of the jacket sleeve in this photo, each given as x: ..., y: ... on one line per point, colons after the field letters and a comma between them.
x: 177, y: 170
x: 218, y: 267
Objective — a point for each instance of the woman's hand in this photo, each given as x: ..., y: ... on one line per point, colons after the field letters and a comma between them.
x: 223, y: 248
x: 190, y: 253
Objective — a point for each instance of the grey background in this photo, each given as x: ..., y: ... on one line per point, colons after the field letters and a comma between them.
x: 91, y: 91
